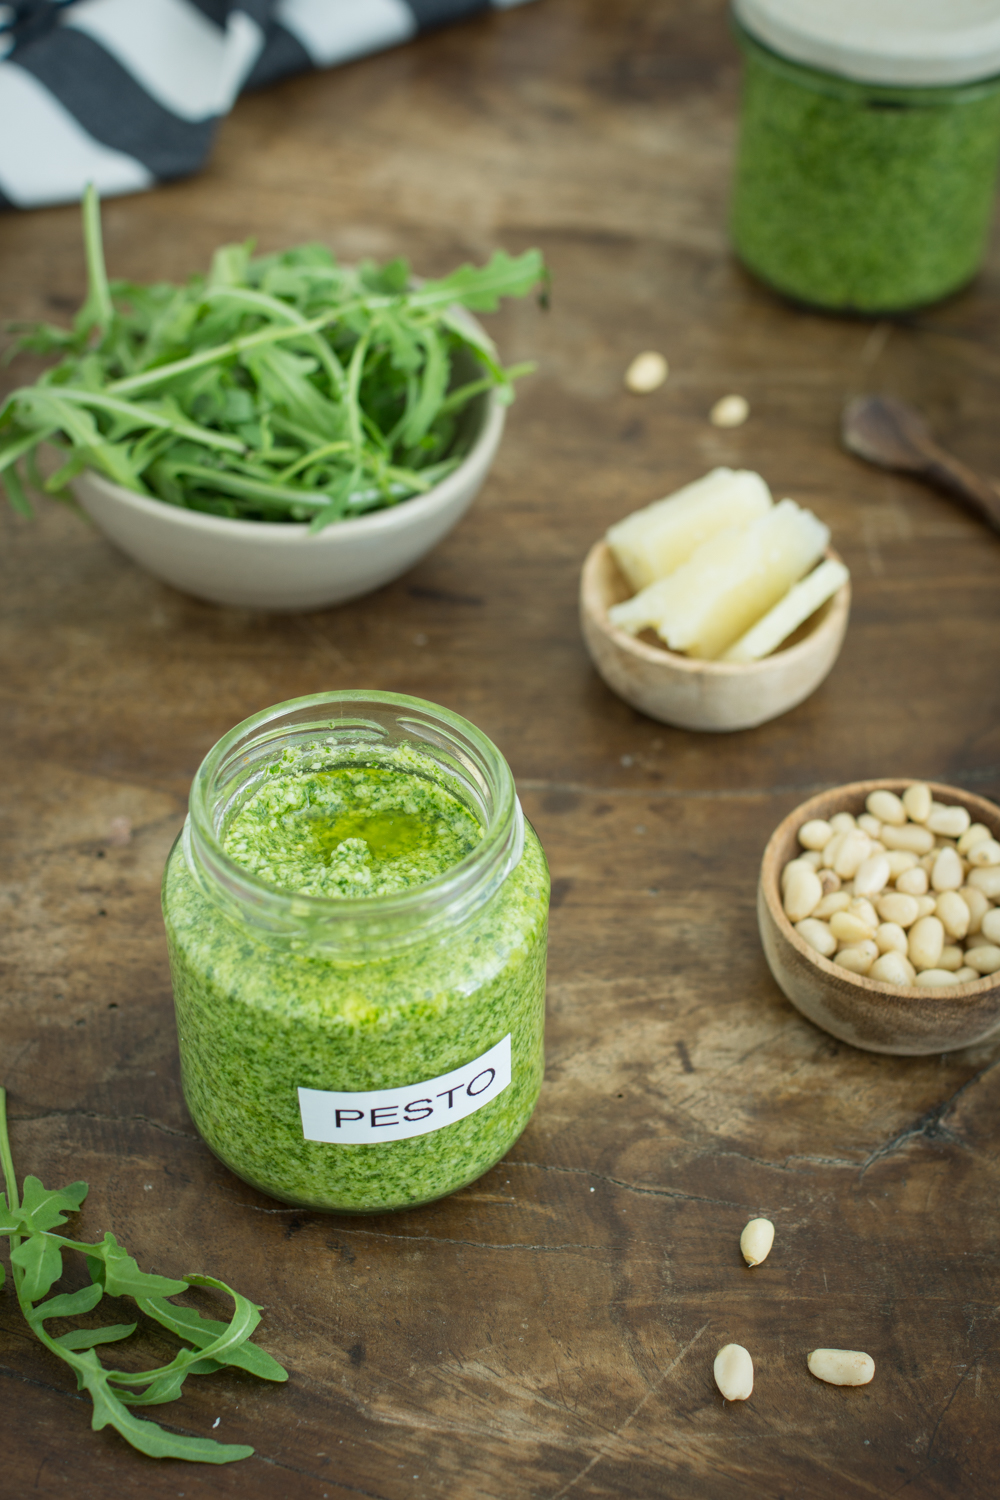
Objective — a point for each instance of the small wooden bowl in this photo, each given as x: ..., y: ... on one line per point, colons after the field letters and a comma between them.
x: 694, y: 694
x: 877, y: 1017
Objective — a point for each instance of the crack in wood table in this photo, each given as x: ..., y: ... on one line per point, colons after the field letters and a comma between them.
x: 548, y: 1332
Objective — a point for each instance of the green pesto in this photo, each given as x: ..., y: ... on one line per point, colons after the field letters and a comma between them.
x: 352, y: 831
x: 257, y: 1019
x: 858, y: 197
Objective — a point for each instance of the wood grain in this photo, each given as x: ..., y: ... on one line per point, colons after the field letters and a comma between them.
x: 530, y: 1337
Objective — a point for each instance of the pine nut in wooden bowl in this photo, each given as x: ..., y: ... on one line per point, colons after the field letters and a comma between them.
x: 868, y: 1013
x: 695, y: 694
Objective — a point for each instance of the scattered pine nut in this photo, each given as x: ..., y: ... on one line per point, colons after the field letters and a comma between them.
x: 756, y: 1241
x: 646, y: 373
x: 733, y: 1372
x: 841, y: 1366
x: 730, y: 411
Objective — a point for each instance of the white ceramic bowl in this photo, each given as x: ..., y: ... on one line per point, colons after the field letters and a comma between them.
x: 274, y: 566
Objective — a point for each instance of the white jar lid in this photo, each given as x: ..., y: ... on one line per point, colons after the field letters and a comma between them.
x: 908, y: 42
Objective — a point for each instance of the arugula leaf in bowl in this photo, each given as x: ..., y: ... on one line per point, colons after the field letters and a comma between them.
x: 281, y: 387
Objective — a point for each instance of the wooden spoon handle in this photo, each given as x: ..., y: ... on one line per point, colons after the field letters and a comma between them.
x: 886, y: 431
x: 976, y: 490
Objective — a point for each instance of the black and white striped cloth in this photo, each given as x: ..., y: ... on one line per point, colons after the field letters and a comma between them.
x: 127, y: 93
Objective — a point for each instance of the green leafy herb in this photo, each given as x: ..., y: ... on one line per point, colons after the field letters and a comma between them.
x: 36, y: 1254
x: 278, y: 388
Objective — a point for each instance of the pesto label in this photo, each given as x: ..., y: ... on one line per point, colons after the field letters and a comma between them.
x: 397, y: 1114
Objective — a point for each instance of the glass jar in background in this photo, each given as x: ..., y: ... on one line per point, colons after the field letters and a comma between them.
x: 368, y: 1053
x: 869, y: 146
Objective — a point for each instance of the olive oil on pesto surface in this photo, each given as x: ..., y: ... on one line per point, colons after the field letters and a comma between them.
x: 352, y: 831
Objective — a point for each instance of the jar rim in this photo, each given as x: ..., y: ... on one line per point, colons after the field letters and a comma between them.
x: 839, y: 85
x: 905, y: 43
x: 361, y: 716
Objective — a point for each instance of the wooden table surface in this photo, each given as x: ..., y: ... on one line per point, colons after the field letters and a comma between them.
x: 549, y: 1331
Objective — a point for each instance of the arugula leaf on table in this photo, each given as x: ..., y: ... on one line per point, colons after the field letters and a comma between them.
x: 278, y: 388
x: 148, y: 1437
x: 70, y: 1305
x: 208, y: 1345
x: 189, y: 1324
x: 39, y: 1259
x: 111, y: 1265
x: 42, y: 1208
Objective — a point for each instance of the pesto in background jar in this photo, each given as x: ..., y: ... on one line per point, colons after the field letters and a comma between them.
x: 280, y: 990
x: 869, y: 146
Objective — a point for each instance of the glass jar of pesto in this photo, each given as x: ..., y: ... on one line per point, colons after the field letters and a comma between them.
x: 869, y: 145
x: 356, y: 914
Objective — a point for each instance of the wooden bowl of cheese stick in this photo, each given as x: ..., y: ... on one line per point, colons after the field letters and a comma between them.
x: 753, y: 590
